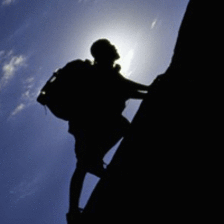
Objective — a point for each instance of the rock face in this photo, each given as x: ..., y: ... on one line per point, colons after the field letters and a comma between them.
x: 162, y: 169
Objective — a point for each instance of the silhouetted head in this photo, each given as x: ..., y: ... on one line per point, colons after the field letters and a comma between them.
x: 103, y: 51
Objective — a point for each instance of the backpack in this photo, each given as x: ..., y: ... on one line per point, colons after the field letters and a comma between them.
x: 61, y: 92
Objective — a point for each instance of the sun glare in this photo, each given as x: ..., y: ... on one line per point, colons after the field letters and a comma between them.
x: 124, y: 42
x: 125, y: 62
x: 126, y: 50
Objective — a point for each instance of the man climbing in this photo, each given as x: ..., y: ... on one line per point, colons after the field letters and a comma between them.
x: 100, y: 124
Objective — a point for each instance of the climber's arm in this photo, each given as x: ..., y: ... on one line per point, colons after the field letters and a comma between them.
x: 136, y: 86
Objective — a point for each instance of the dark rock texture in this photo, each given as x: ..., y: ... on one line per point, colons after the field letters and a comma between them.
x: 163, y: 169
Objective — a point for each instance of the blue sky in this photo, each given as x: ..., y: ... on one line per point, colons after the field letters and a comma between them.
x: 36, y: 37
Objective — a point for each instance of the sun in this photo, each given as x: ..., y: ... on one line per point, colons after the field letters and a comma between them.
x: 124, y: 39
x: 124, y: 43
x: 126, y: 51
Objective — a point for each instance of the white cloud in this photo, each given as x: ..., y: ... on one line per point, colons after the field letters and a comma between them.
x: 154, y: 23
x: 8, y: 2
x: 28, y: 96
x: 29, y: 93
x: 11, y: 65
x: 18, y: 109
x: 26, y: 188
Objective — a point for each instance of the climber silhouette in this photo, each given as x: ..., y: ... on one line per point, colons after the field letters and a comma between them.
x: 101, y: 124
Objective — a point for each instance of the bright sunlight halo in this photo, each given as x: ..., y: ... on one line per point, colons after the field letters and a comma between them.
x: 125, y: 62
